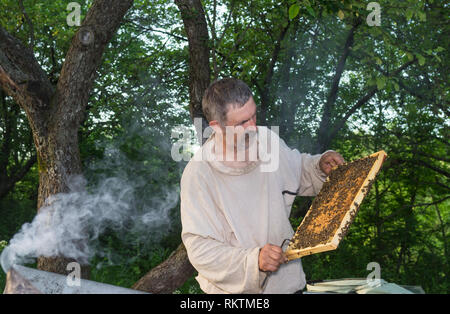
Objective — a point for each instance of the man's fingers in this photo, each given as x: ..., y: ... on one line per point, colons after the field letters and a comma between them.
x: 275, y: 252
x: 339, y: 159
x: 271, y: 257
x: 276, y: 249
x: 276, y: 258
x: 271, y: 266
x: 330, y: 161
x: 278, y: 253
x: 335, y: 160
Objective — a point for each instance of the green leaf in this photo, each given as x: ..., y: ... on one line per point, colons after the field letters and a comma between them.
x: 381, y: 82
x: 421, y: 59
x: 422, y: 16
x: 293, y: 10
x: 396, y: 86
x: 311, y: 11
x: 341, y: 14
x: 409, y: 13
x: 410, y: 56
x: 371, y: 82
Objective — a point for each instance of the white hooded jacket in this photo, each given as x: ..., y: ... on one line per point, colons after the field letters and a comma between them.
x: 228, y: 214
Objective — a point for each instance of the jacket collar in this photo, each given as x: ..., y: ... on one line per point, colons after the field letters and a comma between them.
x: 223, y: 166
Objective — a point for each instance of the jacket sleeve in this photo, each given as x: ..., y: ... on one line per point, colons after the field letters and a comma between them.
x: 306, y: 167
x: 230, y: 269
x: 311, y: 177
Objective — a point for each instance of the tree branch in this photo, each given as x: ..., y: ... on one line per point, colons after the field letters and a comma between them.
x: 414, y: 91
x: 363, y: 100
x: 22, y: 78
x: 433, y: 156
x: 216, y: 42
x: 85, y: 55
x: 10, y: 181
x: 436, y: 169
x: 150, y: 29
x: 29, y: 22
x: 235, y: 47
x: 168, y: 275
x: 265, y: 88
x: 398, y: 211
x: 195, y: 25
x: 174, y: 271
x: 324, y: 128
x: 5, y: 148
x: 332, y: 95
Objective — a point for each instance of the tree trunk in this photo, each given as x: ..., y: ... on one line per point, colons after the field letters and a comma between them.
x: 196, y: 29
x: 264, y: 88
x: 288, y: 105
x: 55, y: 114
x: 174, y: 271
x: 168, y: 275
x: 323, y: 134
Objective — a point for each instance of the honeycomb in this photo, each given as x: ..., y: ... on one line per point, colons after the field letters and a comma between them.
x: 335, y: 207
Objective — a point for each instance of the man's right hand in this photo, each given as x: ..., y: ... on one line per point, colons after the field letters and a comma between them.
x: 270, y: 258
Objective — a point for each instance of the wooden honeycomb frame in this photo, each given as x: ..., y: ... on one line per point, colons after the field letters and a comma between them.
x: 293, y: 253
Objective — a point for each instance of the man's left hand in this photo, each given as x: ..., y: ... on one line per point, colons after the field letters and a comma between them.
x: 330, y: 160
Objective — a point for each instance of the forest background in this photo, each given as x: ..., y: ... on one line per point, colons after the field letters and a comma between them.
x: 326, y: 72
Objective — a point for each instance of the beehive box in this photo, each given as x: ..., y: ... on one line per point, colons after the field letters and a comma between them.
x: 334, y: 208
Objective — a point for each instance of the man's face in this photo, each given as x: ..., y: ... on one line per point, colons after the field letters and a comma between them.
x: 239, y: 130
x: 241, y: 122
x: 244, y: 116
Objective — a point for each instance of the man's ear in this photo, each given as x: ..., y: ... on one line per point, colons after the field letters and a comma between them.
x: 215, y: 125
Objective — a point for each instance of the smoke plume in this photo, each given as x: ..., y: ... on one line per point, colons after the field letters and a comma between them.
x: 130, y: 190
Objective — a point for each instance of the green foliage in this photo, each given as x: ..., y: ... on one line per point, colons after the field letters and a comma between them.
x: 141, y: 93
x: 3, y: 244
x: 294, y: 10
x: 130, y: 268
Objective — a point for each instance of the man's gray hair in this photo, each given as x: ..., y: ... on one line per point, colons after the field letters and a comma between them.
x: 222, y: 94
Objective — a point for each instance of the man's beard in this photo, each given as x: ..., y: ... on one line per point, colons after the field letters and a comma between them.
x: 245, y: 144
x: 240, y: 144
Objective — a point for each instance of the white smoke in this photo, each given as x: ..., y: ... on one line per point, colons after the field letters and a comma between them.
x: 70, y: 223
x: 129, y: 189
